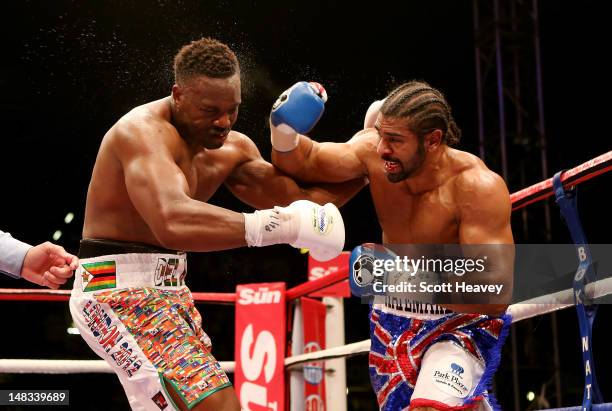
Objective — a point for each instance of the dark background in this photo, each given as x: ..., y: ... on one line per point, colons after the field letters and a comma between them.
x: 71, y: 69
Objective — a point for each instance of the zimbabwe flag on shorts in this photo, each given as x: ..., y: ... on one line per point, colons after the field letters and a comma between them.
x: 103, y: 275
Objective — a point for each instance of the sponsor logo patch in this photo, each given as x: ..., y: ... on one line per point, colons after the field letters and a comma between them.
x: 453, y: 377
x: 313, y: 371
x: 322, y: 221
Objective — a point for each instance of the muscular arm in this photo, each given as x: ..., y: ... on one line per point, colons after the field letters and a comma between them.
x: 317, y: 162
x: 160, y: 193
x: 484, y: 229
x: 261, y: 185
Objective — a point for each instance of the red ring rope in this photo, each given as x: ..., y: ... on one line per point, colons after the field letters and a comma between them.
x: 576, y: 175
x: 583, y: 172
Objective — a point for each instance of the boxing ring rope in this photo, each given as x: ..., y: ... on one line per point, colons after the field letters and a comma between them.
x: 519, y: 311
x: 36, y: 294
x: 520, y: 199
x: 22, y: 366
x: 28, y: 366
x: 544, y: 189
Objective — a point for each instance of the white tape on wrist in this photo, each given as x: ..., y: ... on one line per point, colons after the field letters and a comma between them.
x: 251, y: 234
x: 283, y: 137
x: 268, y: 227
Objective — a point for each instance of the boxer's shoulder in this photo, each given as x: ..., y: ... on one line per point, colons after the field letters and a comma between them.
x: 239, y: 140
x: 242, y: 145
x: 364, y: 144
x: 237, y: 149
x: 146, y: 127
x: 367, y: 137
x: 473, y: 180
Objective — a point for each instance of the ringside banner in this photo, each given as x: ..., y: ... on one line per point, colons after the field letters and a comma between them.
x: 314, y: 340
x: 259, y: 377
x: 318, y: 269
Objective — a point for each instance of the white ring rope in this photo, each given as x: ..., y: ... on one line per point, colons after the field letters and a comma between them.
x: 519, y: 311
x: 20, y: 366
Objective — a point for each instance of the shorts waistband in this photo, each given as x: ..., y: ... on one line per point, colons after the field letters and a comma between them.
x: 94, y: 247
x: 412, y: 309
x: 115, y: 271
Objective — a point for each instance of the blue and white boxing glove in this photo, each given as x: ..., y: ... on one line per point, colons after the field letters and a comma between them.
x: 297, y: 110
x: 367, y: 269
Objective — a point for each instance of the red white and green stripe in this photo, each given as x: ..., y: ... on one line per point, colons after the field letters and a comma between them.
x: 104, y: 275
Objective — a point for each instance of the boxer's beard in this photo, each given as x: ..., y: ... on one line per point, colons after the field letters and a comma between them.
x: 407, y: 168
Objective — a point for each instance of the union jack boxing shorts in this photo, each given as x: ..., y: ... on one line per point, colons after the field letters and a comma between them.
x: 434, y: 360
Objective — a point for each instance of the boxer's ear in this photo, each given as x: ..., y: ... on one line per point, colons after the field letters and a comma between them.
x: 177, y: 94
x: 433, y: 139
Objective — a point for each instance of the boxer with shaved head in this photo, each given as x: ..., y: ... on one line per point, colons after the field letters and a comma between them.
x: 147, y: 205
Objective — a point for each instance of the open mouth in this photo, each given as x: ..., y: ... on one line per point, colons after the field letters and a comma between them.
x: 392, y: 166
x: 221, y: 135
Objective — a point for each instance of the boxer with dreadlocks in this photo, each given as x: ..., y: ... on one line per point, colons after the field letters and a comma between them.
x: 423, y: 356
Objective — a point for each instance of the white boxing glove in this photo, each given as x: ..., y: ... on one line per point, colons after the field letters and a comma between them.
x: 372, y: 113
x: 302, y: 224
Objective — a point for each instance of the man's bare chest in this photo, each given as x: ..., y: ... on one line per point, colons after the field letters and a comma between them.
x: 428, y: 218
